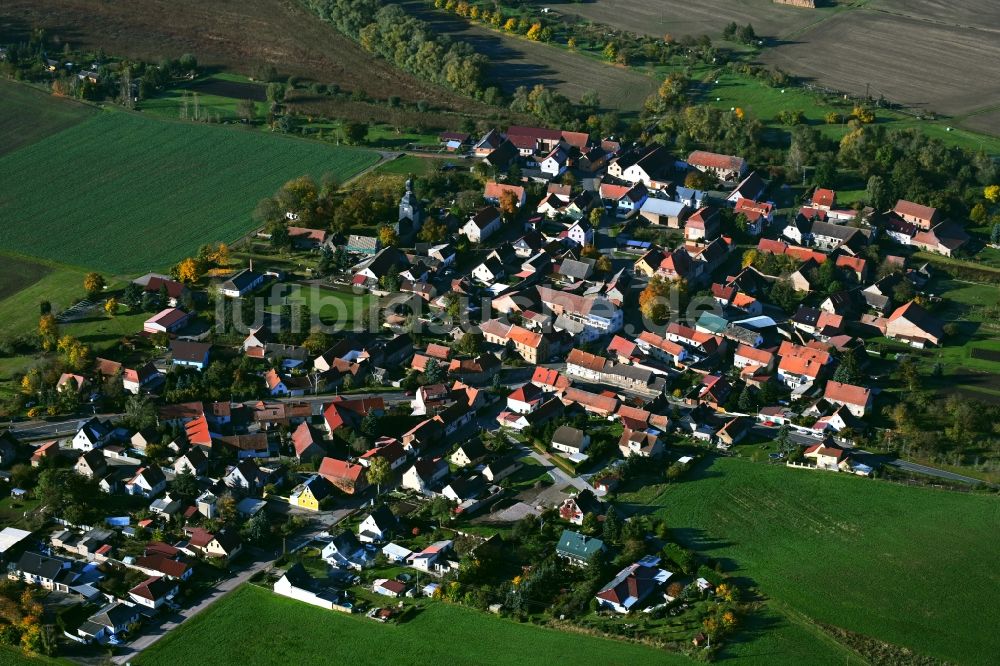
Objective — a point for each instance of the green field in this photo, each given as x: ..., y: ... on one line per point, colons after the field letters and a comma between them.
x: 28, y: 114
x: 888, y: 561
x: 254, y: 627
x: 126, y: 194
x: 334, y: 308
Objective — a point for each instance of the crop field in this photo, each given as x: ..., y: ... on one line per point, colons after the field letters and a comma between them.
x: 955, y: 76
x: 27, y: 115
x: 130, y: 194
x: 519, y: 62
x: 229, y: 633
x: 230, y: 35
x: 884, y: 560
x: 682, y: 17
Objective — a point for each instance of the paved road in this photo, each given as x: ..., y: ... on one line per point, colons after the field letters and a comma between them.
x: 560, y: 477
x: 151, y: 634
x: 907, y: 466
x: 35, y: 430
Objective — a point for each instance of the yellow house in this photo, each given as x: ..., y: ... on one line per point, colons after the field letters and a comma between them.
x: 310, y: 493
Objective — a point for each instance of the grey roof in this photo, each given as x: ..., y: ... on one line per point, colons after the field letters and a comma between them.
x: 663, y: 207
x: 578, y: 270
x: 242, y: 280
x: 40, y: 565
x: 568, y: 436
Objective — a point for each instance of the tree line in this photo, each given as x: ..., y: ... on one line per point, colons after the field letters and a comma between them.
x: 407, y: 42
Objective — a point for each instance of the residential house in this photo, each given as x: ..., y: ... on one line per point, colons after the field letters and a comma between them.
x: 91, y: 464
x: 574, y: 509
x: 222, y: 544
x: 751, y: 187
x: 389, y: 587
x: 857, y: 399
x: 110, y: 623
x: 554, y: 163
x: 190, y: 354
x: 148, y: 482
x: 311, y: 493
x: 242, y: 283
x: 378, y: 526
x: 642, y: 443
x: 307, y: 442
x: 47, y: 572
x: 296, y: 583
x: 757, y: 214
x: 549, y: 380
x: 482, y: 225
x: 346, y: 552
x: 525, y: 399
x: 826, y: 455
x: 578, y: 549
x: 468, y: 453
x: 568, y: 439
x: 631, y: 587
x: 348, y: 477
x: 92, y: 435
x: 912, y: 324
x: 727, y: 168
x: 424, y: 475
x: 923, y: 217
x: 500, y: 468
x: 153, y: 592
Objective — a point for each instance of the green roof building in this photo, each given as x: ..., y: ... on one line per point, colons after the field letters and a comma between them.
x: 578, y: 548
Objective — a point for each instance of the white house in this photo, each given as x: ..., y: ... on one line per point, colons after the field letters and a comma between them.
x: 423, y: 475
x: 525, y: 399
x: 633, y: 585
x: 153, y: 592
x: 581, y: 233
x: 554, y: 163
x: 377, y: 526
x: 148, y: 482
x: 241, y: 283
x: 92, y: 435
x: 296, y: 583
x: 570, y: 440
x: 489, y: 271
x: 482, y: 225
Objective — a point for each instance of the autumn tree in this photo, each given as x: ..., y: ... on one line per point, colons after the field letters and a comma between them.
x: 188, y: 271
x: 93, y: 284
x: 48, y: 331
x: 378, y: 472
x: 433, y: 232
x: 388, y: 236
x: 76, y: 355
x: 111, y: 307
x: 604, y: 264
x: 508, y: 203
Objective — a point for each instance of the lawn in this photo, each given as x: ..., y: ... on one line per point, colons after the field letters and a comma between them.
x: 230, y: 633
x: 24, y: 283
x: 888, y: 561
x: 126, y: 194
x: 334, y: 308
x: 28, y: 114
x: 415, y: 165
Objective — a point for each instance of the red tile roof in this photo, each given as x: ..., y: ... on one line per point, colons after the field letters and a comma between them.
x: 847, y: 393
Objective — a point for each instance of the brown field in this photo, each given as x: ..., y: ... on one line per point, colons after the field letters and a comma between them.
x: 684, y: 17
x: 234, y: 35
x: 946, y: 68
x: 519, y: 62
x: 986, y: 354
x: 17, y: 273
